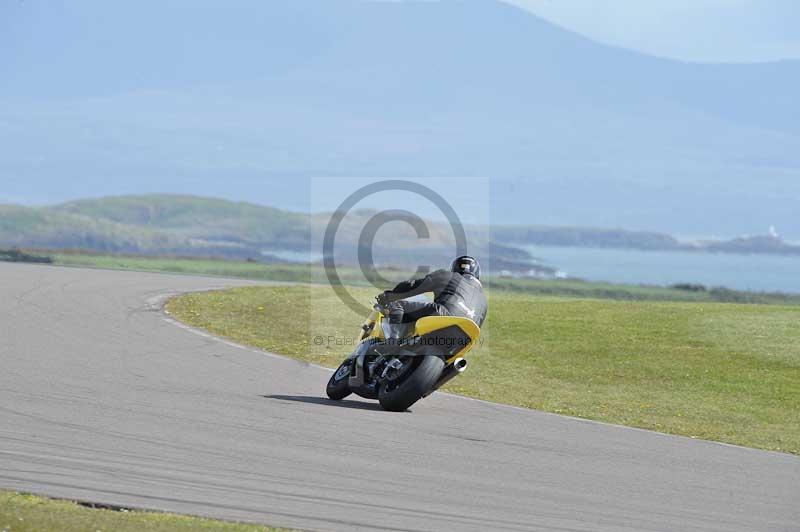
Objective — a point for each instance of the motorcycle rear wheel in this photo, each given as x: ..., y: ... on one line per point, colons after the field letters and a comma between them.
x: 398, y: 398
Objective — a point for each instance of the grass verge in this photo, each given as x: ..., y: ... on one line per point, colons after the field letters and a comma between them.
x: 724, y: 372
x: 29, y: 513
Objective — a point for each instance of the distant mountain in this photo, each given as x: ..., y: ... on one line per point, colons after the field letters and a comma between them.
x: 249, y: 99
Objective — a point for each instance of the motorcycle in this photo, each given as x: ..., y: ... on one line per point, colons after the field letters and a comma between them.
x: 399, y: 364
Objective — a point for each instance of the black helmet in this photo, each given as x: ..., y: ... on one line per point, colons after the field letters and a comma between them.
x: 467, y: 264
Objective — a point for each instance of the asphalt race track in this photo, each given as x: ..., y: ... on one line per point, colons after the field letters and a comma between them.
x: 103, y: 398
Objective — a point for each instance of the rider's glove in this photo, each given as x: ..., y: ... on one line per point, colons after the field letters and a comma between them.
x: 383, y: 299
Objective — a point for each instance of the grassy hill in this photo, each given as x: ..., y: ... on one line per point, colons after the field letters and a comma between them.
x: 171, y: 224
x: 199, y: 220
x: 166, y: 224
x: 156, y: 224
x: 199, y: 226
x: 49, y: 228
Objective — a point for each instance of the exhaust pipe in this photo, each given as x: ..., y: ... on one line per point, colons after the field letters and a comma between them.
x: 449, y: 373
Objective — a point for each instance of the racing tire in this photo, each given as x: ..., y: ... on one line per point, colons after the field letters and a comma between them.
x: 414, y: 387
x: 338, y: 388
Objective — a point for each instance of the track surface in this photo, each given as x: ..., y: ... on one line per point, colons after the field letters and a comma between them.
x: 103, y: 399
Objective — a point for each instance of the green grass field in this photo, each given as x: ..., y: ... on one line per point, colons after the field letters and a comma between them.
x: 304, y: 273
x: 29, y: 513
x: 725, y: 372
x: 223, y: 268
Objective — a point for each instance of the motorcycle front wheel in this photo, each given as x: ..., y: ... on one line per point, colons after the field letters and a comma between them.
x: 398, y: 396
x: 338, y: 388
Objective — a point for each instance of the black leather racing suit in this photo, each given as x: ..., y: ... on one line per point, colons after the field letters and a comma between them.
x: 454, y: 295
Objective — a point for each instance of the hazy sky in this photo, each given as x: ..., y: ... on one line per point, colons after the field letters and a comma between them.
x: 694, y: 30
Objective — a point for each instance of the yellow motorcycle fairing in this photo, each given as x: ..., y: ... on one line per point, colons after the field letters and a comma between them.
x: 431, y: 324
x: 372, y: 329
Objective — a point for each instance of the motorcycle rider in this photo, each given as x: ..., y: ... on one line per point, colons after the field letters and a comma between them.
x: 457, y: 292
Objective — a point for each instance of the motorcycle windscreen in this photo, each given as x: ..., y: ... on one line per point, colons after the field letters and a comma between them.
x: 396, y: 330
